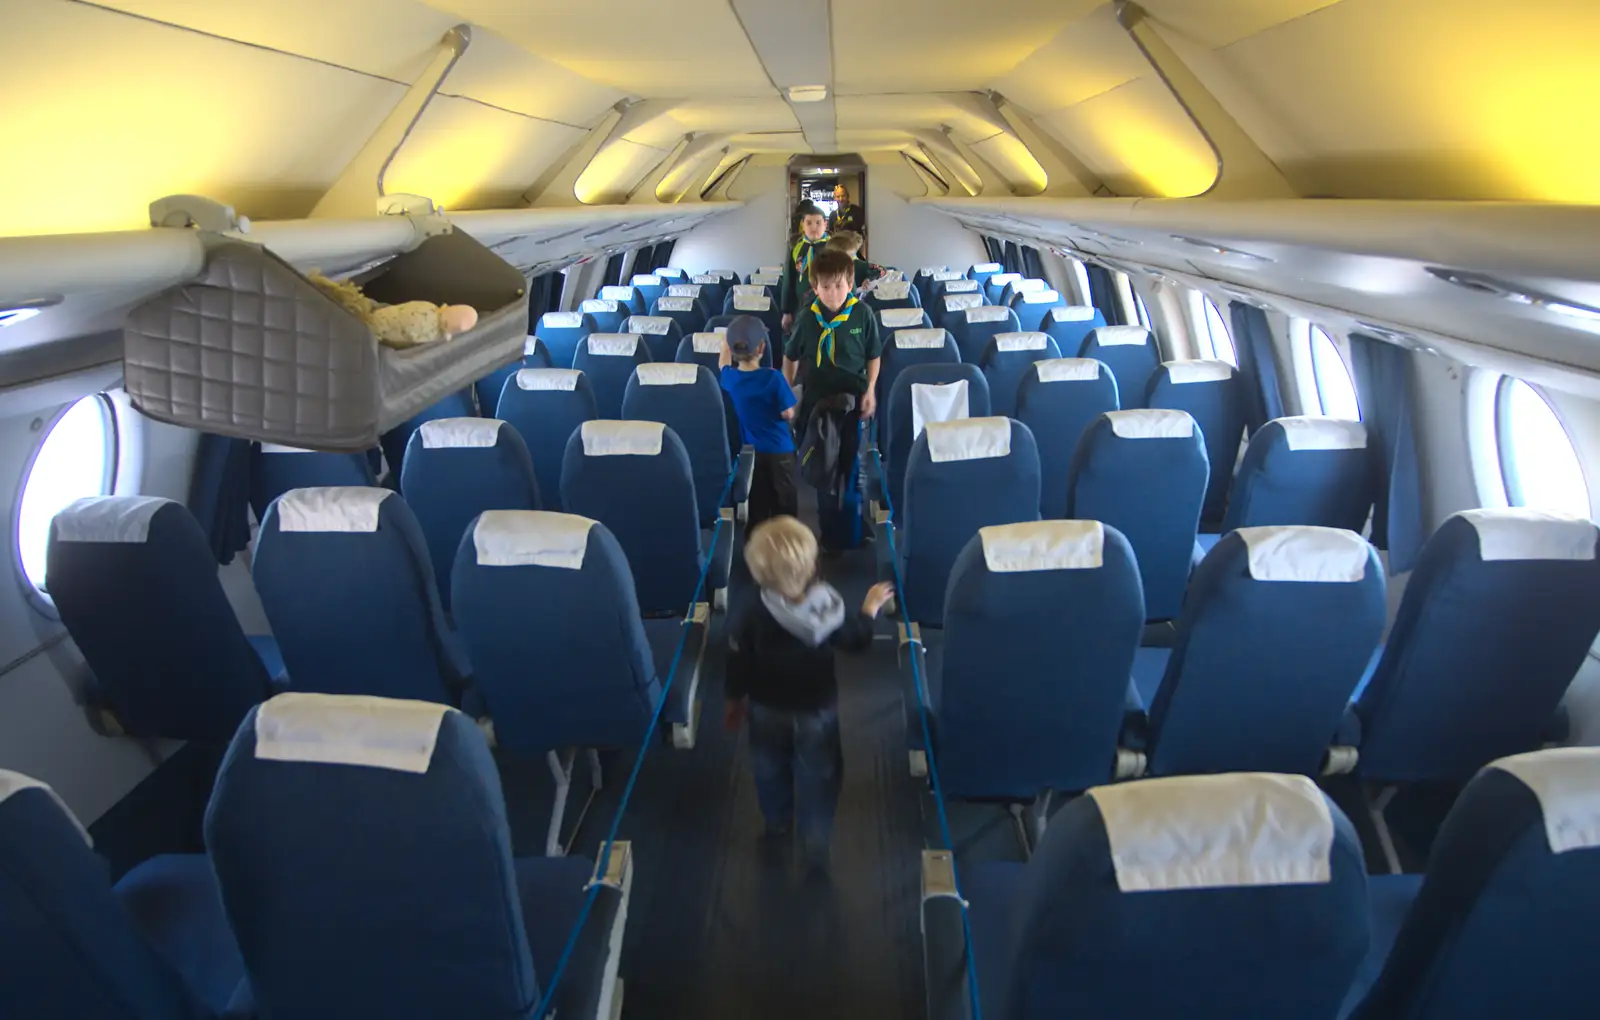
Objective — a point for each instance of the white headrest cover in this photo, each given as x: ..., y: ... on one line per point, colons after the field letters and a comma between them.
x: 15, y: 782
x: 919, y: 339
x: 1067, y: 369
x: 723, y: 274
x: 897, y: 318
x: 769, y: 271
x: 1071, y: 313
x: 972, y: 439
x: 893, y: 291
x: 688, y: 290
x: 749, y: 290
x: 349, y: 729
x: 667, y: 373
x: 751, y: 303
x: 446, y: 433
x: 1029, y: 285
x: 999, y: 280
x: 1121, y: 336
x: 945, y: 276
x: 707, y: 343
x: 675, y: 304
x: 1182, y: 373
x: 703, y: 278
x: 988, y: 313
x: 1210, y: 832
x: 124, y: 519
x: 931, y: 402
x: 531, y: 538
x: 530, y: 346
x: 959, y: 302
x: 961, y: 285
x: 623, y: 345
x: 617, y: 293
x: 719, y: 330
x: 987, y: 267
x: 1043, y: 545
x: 1522, y: 533
x: 278, y: 448
x: 1151, y: 423
x: 930, y: 270
x: 561, y: 320
x: 767, y: 279
x: 1566, y: 780
x: 655, y: 325
x: 331, y: 508
x: 647, y: 280
x: 1020, y: 341
x: 1040, y: 297
x: 1313, y: 432
x: 547, y: 379
x: 1301, y: 552
x: 669, y: 273
x: 622, y: 438
x: 893, y: 276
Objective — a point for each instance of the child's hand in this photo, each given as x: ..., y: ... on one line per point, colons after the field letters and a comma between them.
x: 733, y: 712
x: 877, y: 596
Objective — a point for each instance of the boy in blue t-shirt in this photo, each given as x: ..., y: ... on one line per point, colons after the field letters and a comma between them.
x: 765, y: 405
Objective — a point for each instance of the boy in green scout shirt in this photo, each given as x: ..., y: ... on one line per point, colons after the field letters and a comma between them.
x: 791, y: 289
x: 849, y: 242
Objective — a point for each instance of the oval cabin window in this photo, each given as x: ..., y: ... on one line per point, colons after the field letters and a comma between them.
x: 1336, y: 390
x: 1537, y: 459
x: 76, y: 459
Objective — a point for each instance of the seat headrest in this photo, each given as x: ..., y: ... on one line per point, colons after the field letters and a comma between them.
x: 919, y: 339
x: 719, y: 329
x: 1566, y: 780
x: 280, y: 448
x: 446, y: 433
x: 603, y: 438
x: 349, y: 729
x: 1067, y: 369
x: 669, y: 272
x: 12, y: 783
x: 1020, y: 341
x: 987, y: 267
x: 706, y: 278
x: 960, y: 285
x: 1040, y: 297
x: 547, y: 378
x: 654, y: 325
x: 531, y: 538
x: 932, y: 270
x: 599, y: 305
x: 122, y: 519
x: 647, y: 280
x: 1523, y: 533
x: 1030, y: 284
x: 893, y: 290
x: 749, y: 290
x: 751, y: 303
x: 707, y: 343
x: 767, y: 279
x: 681, y: 290
x: 899, y: 318
x: 1151, y: 423
x: 622, y: 293
x: 1315, y: 432
x: 1043, y: 545
x: 1211, y: 832
x: 1071, y: 313
x: 1182, y: 373
x: 969, y: 439
x: 674, y: 304
x: 561, y: 320
x: 931, y: 402
x: 624, y: 345
x: 331, y: 508
x: 988, y: 313
x: 999, y: 280
x: 769, y: 270
x: 530, y: 346
x: 667, y: 373
x: 1121, y: 336
x: 1302, y: 552
x: 960, y: 302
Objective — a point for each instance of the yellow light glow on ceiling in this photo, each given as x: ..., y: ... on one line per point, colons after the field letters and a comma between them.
x: 613, y: 172
x: 466, y: 156
x: 1139, y: 141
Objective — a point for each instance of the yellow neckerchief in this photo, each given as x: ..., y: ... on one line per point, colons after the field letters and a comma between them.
x: 826, y: 339
x: 803, y: 262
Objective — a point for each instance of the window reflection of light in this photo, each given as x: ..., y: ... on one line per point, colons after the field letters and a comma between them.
x: 71, y: 464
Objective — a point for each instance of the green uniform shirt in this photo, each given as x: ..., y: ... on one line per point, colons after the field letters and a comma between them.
x: 855, y: 342
x: 794, y: 285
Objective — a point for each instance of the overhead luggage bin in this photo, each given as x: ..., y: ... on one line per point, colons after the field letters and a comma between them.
x: 251, y: 348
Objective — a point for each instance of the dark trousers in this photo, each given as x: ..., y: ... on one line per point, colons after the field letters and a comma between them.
x: 839, y: 514
x: 798, y: 764
x: 774, y: 487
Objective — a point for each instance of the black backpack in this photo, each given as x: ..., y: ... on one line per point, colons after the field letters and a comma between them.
x: 822, y: 448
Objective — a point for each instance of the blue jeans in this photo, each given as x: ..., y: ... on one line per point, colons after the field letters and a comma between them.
x: 798, y: 764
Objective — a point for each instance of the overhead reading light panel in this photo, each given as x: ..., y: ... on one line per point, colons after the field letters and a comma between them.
x: 807, y: 93
x: 1483, y: 283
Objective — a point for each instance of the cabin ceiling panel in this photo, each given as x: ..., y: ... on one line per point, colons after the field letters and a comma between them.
x: 1220, y: 22
x: 615, y: 172
x: 1091, y: 56
x: 464, y: 155
x: 739, y: 115
x: 1138, y: 140
x: 905, y: 112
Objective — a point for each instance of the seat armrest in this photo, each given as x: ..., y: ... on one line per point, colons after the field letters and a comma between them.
x: 944, y: 942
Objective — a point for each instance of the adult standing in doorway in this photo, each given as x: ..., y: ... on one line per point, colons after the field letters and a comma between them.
x: 847, y: 216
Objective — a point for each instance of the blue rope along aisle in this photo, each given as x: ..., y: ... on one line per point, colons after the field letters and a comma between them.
x: 927, y: 743
x: 604, y: 862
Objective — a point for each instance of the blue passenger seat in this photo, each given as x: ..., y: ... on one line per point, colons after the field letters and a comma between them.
x: 688, y: 400
x: 1033, y: 307
x: 935, y: 391
x: 906, y: 347
x: 660, y: 333
x: 608, y: 359
x: 650, y: 287
x: 1303, y: 470
x: 535, y: 354
x: 460, y: 404
x: 607, y: 314
x: 545, y: 406
x: 562, y: 332
x: 1057, y: 400
x: 909, y: 317
x: 1007, y: 359
x: 628, y: 298
x: 975, y: 327
x: 1130, y: 352
x: 894, y: 294
x: 1071, y: 325
x: 1209, y: 391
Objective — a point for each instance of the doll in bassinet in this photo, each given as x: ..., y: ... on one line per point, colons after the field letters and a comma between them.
x: 409, y: 324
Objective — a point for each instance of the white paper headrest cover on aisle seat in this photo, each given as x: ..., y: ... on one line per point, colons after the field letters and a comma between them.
x: 669, y: 273
x: 749, y: 290
x: 751, y: 303
x: 945, y: 276
x: 667, y: 373
x: 987, y: 267
x: 530, y: 346
x: 647, y: 280
x: 1314, y: 432
x: 675, y: 304
x: 688, y: 290
x: 349, y: 729
x: 547, y: 379
x: 961, y: 285
x: 1302, y: 552
x: 1181, y: 373
x: 654, y: 325
x: 767, y: 279
x: 1211, y: 832
x: 623, y: 345
x: 1071, y: 313
x: 898, y: 318
x: 1566, y: 780
x: 531, y: 538
x: 1067, y: 369
x: 931, y: 270
x: 988, y: 313
x: 279, y: 448
x: 1030, y: 285
x: 622, y: 438
x: 599, y: 305
x: 707, y: 343
x: 623, y: 293
x: 932, y: 402
x: 447, y: 433
x: 331, y: 508
x: 1040, y: 297
x: 1043, y: 545
x: 1522, y: 533
x: 122, y: 519
x: 1020, y: 341
x: 12, y: 783
x: 960, y: 302
x: 919, y: 339
x: 894, y: 276
x: 972, y: 439
x: 561, y: 320
x: 706, y: 278
x: 769, y: 271
x: 1151, y: 423
x: 894, y: 291
x: 1121, y: 336
x: 999, y: 280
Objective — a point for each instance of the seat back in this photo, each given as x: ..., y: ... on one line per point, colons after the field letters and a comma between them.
x: 347, y: 583
x: 762, y: 306
x: 1034, y: 306
x: 460, y: 404
x: 977, y: 326
x: 1071, y: 325
x: 912, y: 317
x: 650, y: 287
x: 1007, y: 359
x: 1130, y: 352
x: 661, y: 334
x: 562, y: 332
x: 983, y: 270
x: 1277, y: 629
x: 895, y: 294
x: 607, y: 313
x: 545, y: 406
x: 1245, y: 893
x: 957, y: 285
x: 535, y: 354
x: 951, y: 310
x: 683, y: 304
x: 1144, y: 473
x: 555, y: 586
x: 1303, y: 470
x: 1041, y: 621
x: 635, y: 478
x: 135, y: 582
x: 1495, y: 622
x: 456, y: 468
x: 72, y: 948
x: 995, y: 285
x: 274, y: 470
x: 1057, y: 400
x: 906, y: 347
x: 608, y: 359
x: 627, y: 297
x: 1023, y: 285
x: 923, y: 281
x: 671, y: 273
x: 1209, y: 391
x: 364, y: 858
x: 960, y: 476
x: 688, y: 400
x: 935, y: 391
x: 714, y: 290
x: 1503, y: 923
